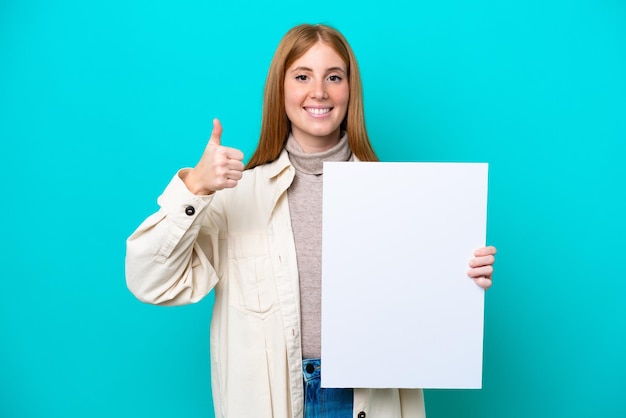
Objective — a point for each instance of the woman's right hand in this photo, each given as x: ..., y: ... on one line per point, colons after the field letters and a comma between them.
x: 219, y: 168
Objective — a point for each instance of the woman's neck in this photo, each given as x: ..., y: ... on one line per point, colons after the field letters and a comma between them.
x: 313, y: 162
x: 312, y: 144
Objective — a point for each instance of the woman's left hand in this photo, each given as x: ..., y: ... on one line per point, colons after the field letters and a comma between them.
x: 481, y: 266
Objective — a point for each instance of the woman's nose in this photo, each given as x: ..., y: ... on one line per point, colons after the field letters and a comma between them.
x: 318, y: 90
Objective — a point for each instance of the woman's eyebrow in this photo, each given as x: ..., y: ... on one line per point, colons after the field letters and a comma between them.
x: 328, y: 70
x: 331, y: 69
x: 301, y: 68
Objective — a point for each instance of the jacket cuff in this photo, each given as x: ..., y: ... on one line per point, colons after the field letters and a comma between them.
x: 182, y: 206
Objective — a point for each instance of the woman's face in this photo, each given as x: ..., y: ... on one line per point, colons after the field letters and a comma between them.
x: 316, y: 97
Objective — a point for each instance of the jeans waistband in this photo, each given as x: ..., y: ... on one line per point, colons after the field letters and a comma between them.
x: 311, y: 368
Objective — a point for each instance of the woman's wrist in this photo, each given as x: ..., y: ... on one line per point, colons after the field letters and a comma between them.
x: 188, y: 176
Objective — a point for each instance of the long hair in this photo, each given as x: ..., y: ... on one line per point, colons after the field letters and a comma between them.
x: 275, y: 125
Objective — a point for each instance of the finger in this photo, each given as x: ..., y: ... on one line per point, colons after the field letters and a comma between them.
x: 485, y: 271
x: 483, y: 282
x: 216, y: 133
x: 482, y: 261
x: 491, y: 250
x: 234, y: 175
x: 234, y: 154
x: 230, y: 156
x: 236, y: 165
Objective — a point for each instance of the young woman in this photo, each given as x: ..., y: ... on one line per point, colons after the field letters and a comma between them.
x: 253, y: 235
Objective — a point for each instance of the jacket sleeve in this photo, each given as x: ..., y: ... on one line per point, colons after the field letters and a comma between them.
x: 173, y: 256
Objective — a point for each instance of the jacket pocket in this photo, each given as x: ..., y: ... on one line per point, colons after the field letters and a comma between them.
x: 251, y: 275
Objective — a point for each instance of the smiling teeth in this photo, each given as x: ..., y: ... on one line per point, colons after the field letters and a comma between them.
x: 317, y: 111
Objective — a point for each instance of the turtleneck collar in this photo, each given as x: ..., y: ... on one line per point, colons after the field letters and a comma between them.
x: 313, y: 162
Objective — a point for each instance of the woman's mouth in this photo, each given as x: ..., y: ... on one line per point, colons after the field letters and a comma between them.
x: 318, y: 111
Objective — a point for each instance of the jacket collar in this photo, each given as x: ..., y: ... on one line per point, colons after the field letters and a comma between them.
x: 273, y: 169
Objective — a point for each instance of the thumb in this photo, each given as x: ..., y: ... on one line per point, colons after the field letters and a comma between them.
x: 216, y: 134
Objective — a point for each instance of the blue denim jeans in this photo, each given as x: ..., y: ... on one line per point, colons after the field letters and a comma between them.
x: 323, y: 402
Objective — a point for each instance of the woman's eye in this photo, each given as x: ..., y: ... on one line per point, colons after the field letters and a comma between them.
x: 335, y: 78
x: 301, y: 77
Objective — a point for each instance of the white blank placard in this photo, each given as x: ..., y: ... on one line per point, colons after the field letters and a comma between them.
x: 398, y: 310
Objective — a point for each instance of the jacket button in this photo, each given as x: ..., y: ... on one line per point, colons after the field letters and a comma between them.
x: 190, y: 210
x: 362, y: 414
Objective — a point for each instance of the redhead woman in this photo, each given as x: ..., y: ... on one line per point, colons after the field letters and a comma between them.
x: 253, y: 235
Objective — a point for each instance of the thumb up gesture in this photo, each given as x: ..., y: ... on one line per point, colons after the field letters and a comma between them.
x: 219, y: 168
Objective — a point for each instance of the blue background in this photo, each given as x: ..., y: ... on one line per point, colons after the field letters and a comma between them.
x: 101, y: 102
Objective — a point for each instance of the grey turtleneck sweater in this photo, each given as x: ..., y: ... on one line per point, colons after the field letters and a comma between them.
x: 305, y: 206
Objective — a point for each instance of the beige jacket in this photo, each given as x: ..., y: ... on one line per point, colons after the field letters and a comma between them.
x: 239, y: 242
